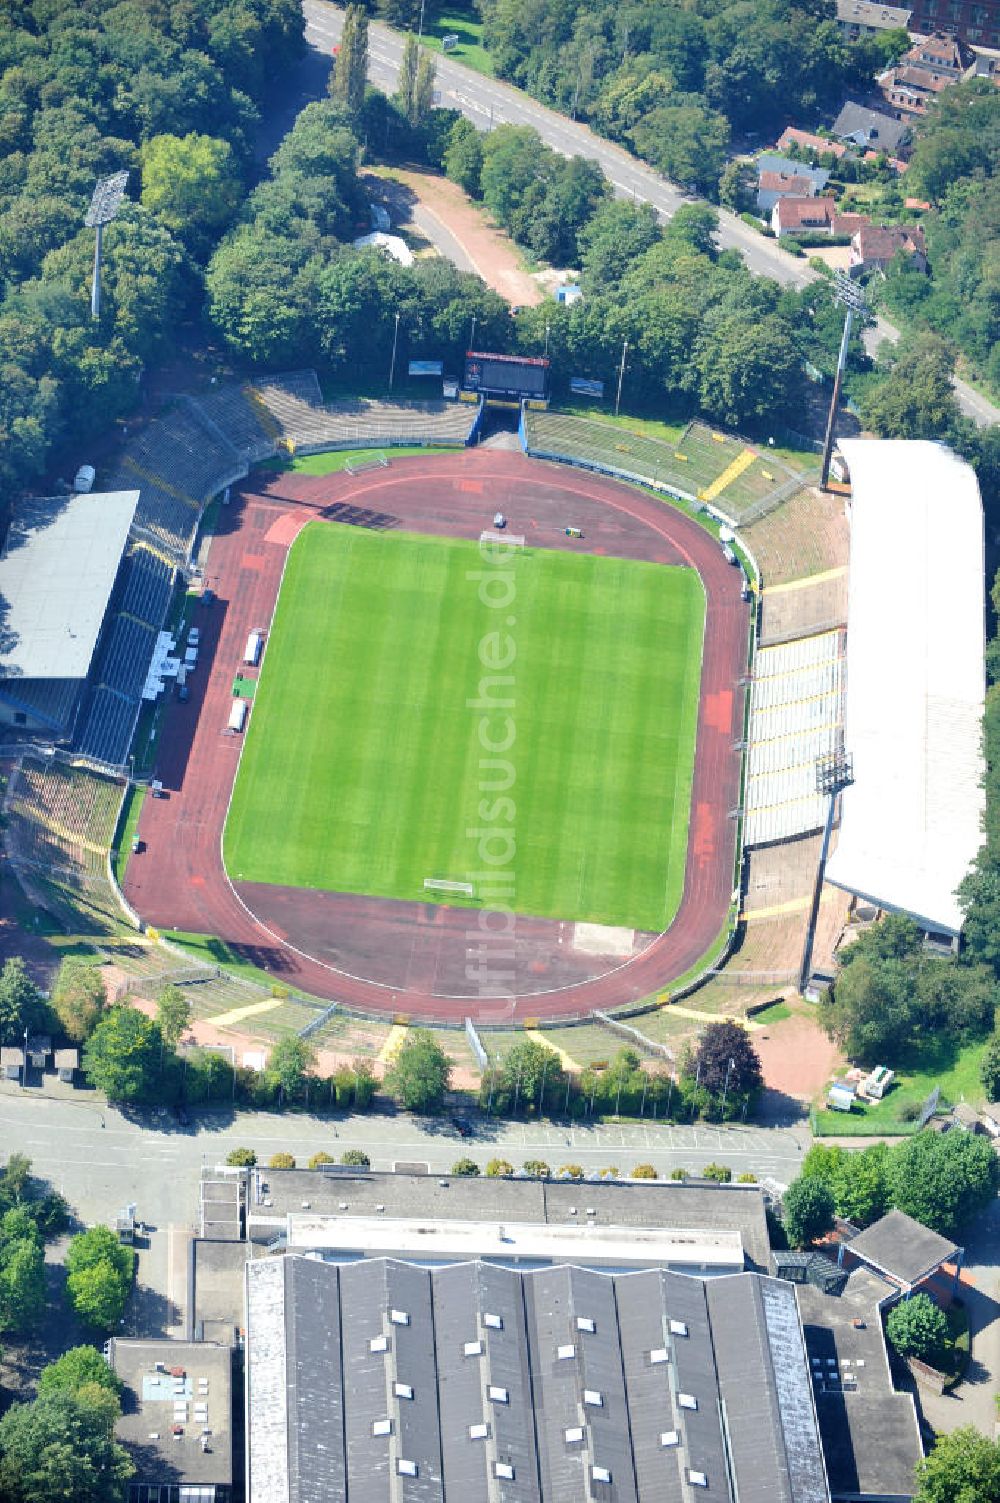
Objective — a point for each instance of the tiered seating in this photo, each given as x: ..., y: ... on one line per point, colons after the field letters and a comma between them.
x: 60, y: 823
x: 125, y: 659
x: 605, y: 447
x: 233, y: 413
x: 149, y: 583
x: 796, y: 717
x: 306, y: 425
x: 108, y: 727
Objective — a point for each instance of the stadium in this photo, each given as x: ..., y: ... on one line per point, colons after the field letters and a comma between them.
x: 507, y: 735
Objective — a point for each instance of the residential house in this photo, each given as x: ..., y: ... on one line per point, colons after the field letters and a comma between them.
x: 806, y: 141
x: 813, y: 216
x: 858, y: 18
x: 932, y: 65
x: 873, y: 246
x: 972, y: 20
x: 873, y: 129
x: 774, y: 185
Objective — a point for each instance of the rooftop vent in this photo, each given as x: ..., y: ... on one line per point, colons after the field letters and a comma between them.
x: 399, y: 1317
x: 504, y: 1470
x: 697, y: 1479
x: 403, y: 1390
x: 658, y: 1355
x: 473, y: 1349
x: 586, y: 1323
x: 497, y: 1394
x: 379, y: 1344
x: 564, y: 1353
x: 600, y: 1474
x: 678, y: 1328
x: 494, y: 1322
x: 478, y: 1432
x: 382, y: 1427
x: 669, y: 1438
x: 574, y: 1435
x: 406, y: 1468
x: 687, y: 1401
x: 592, y: 1397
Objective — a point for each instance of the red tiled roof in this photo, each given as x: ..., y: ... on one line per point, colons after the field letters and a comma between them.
x: 782, y: 182
x: 879, y: 242
x: 805, y: 213
x: 849, y: 224
x: 915, y: 203
x: 793, y: 136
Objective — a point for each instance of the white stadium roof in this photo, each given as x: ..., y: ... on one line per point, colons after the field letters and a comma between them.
x: 912, y: 821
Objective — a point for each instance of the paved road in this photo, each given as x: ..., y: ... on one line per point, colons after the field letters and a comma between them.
x: 101, y: 1168
x: 487, y: 103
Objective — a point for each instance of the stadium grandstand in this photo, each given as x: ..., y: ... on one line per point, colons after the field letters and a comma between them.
x: 304, y: 424
x: 703, y: 467
x: 57, y: 572
x: 911, y: 822
x: 796, y: 718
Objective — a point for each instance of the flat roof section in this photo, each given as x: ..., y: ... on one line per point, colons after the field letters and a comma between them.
x: 428, y: 1199
x: 56, y: 577
x: 911, y: 822
x: 156, y: 1401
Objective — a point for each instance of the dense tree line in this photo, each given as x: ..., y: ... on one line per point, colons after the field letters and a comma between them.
x: 170, y: 92
x: 954, y: 166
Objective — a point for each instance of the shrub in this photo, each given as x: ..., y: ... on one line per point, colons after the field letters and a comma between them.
x: 746, y: 1179
x: 721, y: 1173
x: 281, y: 1161
x: 679, y: 1174
x: 321, y: 1158
x: 356, y: 1158
x: 538, y: 1168
x: 575, y: 1171
x: 918, y: 1328
x: 498, y: 1168
x: 466, y: 1168
x: 644, y: 1171
x: 909, y: 1111
x: 611, y: 1172
x: 808, y: 1211
x: 241, y: 1158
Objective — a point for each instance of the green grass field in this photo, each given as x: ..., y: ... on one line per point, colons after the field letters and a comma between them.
x: 362, y: 771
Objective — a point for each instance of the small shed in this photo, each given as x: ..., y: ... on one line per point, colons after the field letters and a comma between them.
x: 67, y: 1062
x: 842, y: 1096
x: 11, y: 1061
x: 39, y: 1049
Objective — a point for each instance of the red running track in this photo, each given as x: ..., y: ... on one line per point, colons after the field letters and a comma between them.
x: 411, y: 958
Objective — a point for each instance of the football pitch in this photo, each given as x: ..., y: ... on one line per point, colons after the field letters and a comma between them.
x: 425, y: 712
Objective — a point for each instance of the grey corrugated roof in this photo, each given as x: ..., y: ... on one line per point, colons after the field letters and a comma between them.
x: 902, y: 1247
x: 736, y: 1338
x: 854, y: 118
x: 56, y: 576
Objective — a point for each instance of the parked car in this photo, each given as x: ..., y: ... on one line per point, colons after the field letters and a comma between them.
x: 84, y: 479
x: 194, y: 636
x: 461, y: 1127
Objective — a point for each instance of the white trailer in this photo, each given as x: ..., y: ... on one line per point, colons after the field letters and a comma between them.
x: 252, y: 651
x: 238, y: 716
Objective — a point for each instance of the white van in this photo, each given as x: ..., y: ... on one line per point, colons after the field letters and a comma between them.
x: 238, y: 716
x: 252, y: 651
x: 84, y: 479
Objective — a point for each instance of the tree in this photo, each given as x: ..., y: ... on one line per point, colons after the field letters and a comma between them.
x: 423, y: 89
x: 350, y: 70
x: 918, y: 1327
x: 99, y: 1246
x: 406, y: 88
x: 915, y: 397
x: 97, y: 1295
x: 420, y: 1072
x: 721, y: 1173
x: 79, y: 997
x: 871, y: 1009
x: 173, y: 1014
x: 613, y: 239
x: 942, y: 1179
x: 76, y: 1369
x: 857, y: 1179
x: 989, y: 1070
x: 499, y: 1169
x: 241, y: 1158
x: 291, y: 1061
x: 192, y: 184
x: 736, y: 186
x: 122, y: 1056
x: 644, y: 1171
x: 61, y: 1446
x: 463, y: 156
x: 527, y: 1069
x: 727, y: 1064
x: 22, y: 1282
x: 537, y: 1168
x: 808, y: 1211
x: 356, y: 1158
x: 465, y: 1168
x: 964, y: 1467
x: 686, y: 141
x: 321, y: 1158
x: 749, y: 371
x: 281, y: 1161
x: 22, y: 1005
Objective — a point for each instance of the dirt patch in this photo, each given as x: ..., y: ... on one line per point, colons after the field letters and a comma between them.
x: 439, y: 211
x: 797, y: 1057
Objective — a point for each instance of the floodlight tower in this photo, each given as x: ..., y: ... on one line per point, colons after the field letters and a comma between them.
x: 103, y: 207
x: 834, y: 773
x: 852, y: 297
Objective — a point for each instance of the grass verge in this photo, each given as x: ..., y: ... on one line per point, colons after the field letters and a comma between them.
x: 956, y: 1071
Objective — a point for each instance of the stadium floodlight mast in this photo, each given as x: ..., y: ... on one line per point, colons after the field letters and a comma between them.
x: 834, y: 773
x: 852, y: 297
x: 104, y: 206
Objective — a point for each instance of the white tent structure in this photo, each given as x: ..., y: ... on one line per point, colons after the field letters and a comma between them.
x: 911, y: 822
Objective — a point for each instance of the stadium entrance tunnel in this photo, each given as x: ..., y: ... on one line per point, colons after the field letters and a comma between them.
x: 430, y: 960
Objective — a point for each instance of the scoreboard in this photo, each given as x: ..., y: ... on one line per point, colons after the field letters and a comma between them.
x: 506, y: 377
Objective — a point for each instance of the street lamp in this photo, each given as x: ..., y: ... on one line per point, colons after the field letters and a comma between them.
x: 392, y: 363
x: 420, y: 29
x: 547, y: 328
x: 103, y: 207
x: 834, y: 773
x: 621, y: 376
x: 848, y: 293
x: 472, y: 336
x: 725, y: 1087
